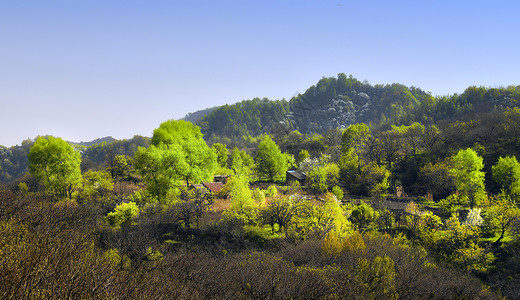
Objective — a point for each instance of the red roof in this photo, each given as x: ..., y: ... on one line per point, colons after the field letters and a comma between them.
x: 215, y: 187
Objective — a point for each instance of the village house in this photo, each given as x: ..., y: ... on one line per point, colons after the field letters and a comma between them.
x: 213, y: 187
x: 295, y: 175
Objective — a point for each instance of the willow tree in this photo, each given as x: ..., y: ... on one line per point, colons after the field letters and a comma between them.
x: 178, y: 154
x: 56, y: 164
x: 271, y: 163
x: 507, y: 174
x: 469, y: 177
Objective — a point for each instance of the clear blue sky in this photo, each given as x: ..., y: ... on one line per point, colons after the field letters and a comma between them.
x: 87, y: 69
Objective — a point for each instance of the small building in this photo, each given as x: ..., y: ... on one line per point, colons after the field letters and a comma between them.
x: 221, y: 178
x: 215, y: 187
x: 199, y: 187
x: 295, y: 175
x: 205, y: 187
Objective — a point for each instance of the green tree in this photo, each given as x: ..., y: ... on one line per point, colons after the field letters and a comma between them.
x: 355, y: 137
x: 507, y: 174
x: 222, y: 154
x: 500, y: 216
x: 121, y: 168
x: 162, y: 168
x: 55, y: 163
x: 302, y: 156
x: 96, y: 184
x: 324, y: 178
x: 271, y: 163
x: 202, y: 161
x: 362, y: 215
x: 178, y: 153
x: 241, y: 195
x: 469, y: 177
x: 241, y: 163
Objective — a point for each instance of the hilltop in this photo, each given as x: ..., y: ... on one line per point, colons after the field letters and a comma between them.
x: 337, y: 102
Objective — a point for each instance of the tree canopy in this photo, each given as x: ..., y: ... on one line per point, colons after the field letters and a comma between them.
x: 178, y: 153
x: 469, y: 177
x: 271, y: 163
x: 55, y: 163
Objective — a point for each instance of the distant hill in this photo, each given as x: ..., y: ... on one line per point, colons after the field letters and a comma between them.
x: 107, y: 139
x: 196, y: 116
x: 338, y: 102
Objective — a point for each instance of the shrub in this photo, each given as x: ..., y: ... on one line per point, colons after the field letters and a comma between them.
x: 338, y: 192
x: 122, y: 214
x: 259, y: 196
x: 271, y: 191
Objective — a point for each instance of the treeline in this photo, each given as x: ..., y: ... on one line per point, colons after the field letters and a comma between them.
x: 13, y: 160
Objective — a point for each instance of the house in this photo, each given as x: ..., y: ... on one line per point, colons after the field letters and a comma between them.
x: 295, y: 175
x: 215, y: 187
x: 199, y: 187
x: 221, y: 178
x: 205, y: 187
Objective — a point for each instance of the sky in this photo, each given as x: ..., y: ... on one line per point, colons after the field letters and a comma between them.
x: 82, y: 70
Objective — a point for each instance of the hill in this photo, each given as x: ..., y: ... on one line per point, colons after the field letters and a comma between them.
x: 195, y: 116
x: 338, y: 102
x: 107, y: 139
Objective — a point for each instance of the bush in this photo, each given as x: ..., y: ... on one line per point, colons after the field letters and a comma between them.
x: 259, y: 196
x: 122, y: 214
x: 271, y: 191
x: 338, y: 192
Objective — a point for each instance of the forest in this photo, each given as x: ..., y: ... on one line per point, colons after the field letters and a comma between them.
x: 347, y: 191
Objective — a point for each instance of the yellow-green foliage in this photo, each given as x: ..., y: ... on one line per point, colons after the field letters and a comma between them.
x: 241, y: 195
x: 501, y: 216
x: 153, y: 254
x: 454, y: 202
x: 241, y: 216
x: 122, y: 214
x: 23, y: 188
x: 271, y: 191
x: 323, y: 178
x: 332, y: 245
x: 338, y: 192
x: 96, y: 185
x: 355, y: 243
x: 224, y: 171
x: 474, y: 257
x: 309, y: 218
x: 336, y: 216
x: 362, y: 215
x: 459, y: 244
x: 117, y: 260
x: 259, y: 196
x: 378, y: 276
